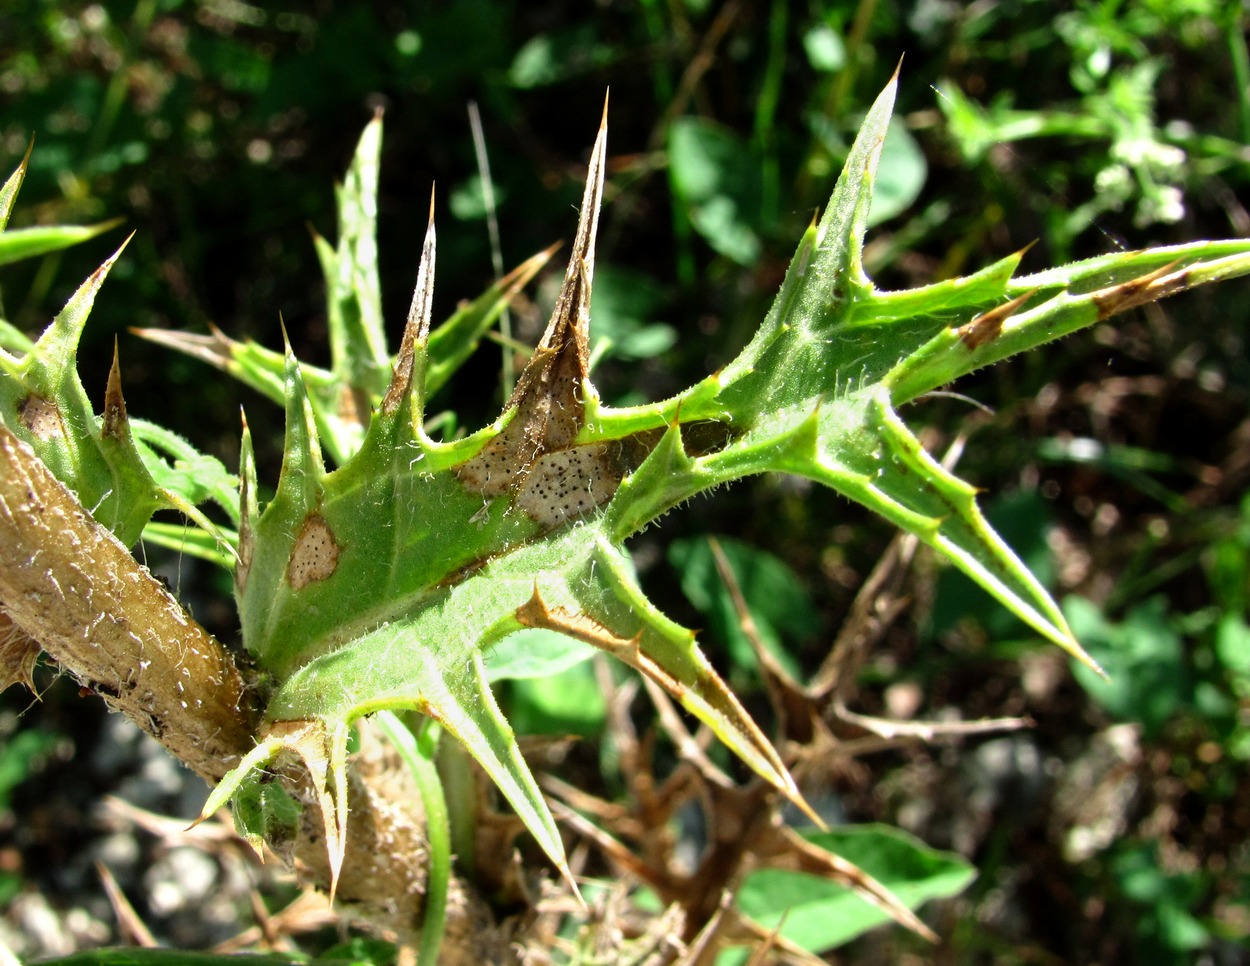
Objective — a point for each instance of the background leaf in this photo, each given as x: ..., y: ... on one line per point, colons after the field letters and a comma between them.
x: 900, y: 176
x: 534, y: 653
x: 780, y: 607
x: 819, y: 915
x: 1149, y: 681
x: 717, y: 177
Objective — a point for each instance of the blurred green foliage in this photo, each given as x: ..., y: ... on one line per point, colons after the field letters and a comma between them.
x: 22, y: 756
x: 780, y: 609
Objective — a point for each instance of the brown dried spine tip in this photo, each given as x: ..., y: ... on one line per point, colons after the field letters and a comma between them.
x: 534, y: 457
x: 988, y: 326
x: 114, y: 421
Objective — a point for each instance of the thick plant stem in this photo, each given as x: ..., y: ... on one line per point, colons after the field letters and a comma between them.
x: 69, y: 584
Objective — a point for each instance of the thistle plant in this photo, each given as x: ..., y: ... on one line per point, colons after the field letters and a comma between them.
x: 390, y: 563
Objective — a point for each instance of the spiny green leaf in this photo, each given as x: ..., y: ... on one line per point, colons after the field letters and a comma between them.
x: 43, y: 397
x: 109, y: 461
x: 386, y: 583
x: 246, y: 770
x: 19, y: 243
x: 450, y: 344
x: 303, y: 470
x: 786, y: 361
x: 431, y: 664
x: 955, y: 299
x: 13, y: 341
x: 12, y: 185
x: 264, y: 812
x: 1050, y: 305
x: 321, y: 745
x: 178, y: 467
x: 354, y: 294
x: 193, y: 541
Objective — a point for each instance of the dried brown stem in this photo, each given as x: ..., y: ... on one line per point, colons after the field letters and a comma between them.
x: 69, y: 584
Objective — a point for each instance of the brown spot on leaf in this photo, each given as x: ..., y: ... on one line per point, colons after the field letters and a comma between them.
x: 41, y: 417
x: 315, y: 555
x: 535, y: 458
x: 353, y: 406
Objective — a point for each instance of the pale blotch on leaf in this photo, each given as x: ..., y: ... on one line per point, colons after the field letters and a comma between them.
x: 41, y: 417
x: 315, y: 555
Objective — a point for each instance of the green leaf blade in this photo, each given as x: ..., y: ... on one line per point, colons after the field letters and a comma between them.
x: 794, y: 356
x: 439, y: 677
x: 354, y: 292
x: 43, y: 400
x: 819, y: 915
x: 12, y: 185
x: 20, y: 243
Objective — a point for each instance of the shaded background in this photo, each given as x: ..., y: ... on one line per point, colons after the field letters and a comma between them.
x: 1115, y: 462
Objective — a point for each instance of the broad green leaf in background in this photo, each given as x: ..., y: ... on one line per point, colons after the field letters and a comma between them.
x: 549, y: 58
x: 535, y: 654
x: 820, y: 915
x: 623, y: 316
x: 1232, y: 647
x: 1167, y: 931
x: 468, y: 201
x: 825, y: 49
x: 1147, y: 677
x: 716, y: 175
x: 21, y: 756
x: 568, y: 702
x: 780, y: 607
